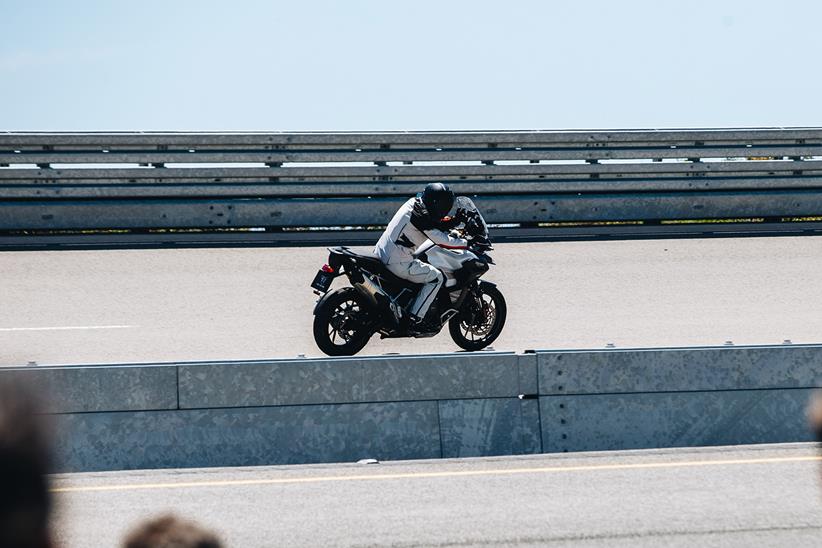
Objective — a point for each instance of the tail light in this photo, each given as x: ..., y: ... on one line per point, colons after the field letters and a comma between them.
x: 327, y: 269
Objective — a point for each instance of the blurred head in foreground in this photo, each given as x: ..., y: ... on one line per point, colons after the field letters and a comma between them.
x: 170, y: 532
x: 25, y: 501
x: 815, y: 415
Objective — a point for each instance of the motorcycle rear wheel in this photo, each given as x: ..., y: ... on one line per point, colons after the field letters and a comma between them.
x: 341, y: 323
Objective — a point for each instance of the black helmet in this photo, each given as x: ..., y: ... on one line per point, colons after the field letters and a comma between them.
x: 438, y: 199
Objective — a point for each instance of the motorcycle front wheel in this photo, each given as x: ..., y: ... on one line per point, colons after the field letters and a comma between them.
x: 481, y: 319
x: 341, y: 326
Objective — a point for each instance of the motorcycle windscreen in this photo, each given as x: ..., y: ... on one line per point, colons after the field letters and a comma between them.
x: 467, y: 204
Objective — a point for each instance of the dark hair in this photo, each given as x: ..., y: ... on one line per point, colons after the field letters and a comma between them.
x: 170, y: 532
x: 25, y: 461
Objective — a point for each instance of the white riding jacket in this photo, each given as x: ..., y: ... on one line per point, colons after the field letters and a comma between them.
x: 408, y: 230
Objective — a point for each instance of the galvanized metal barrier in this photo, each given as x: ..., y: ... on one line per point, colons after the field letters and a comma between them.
x: 411, y: 407
x: 58, y: 181
x: 680, y: 397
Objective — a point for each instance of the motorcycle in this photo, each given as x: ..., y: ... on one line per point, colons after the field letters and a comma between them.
x: 377, y: 301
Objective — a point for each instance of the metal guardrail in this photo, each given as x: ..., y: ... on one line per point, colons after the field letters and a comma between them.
x: 76, y: 181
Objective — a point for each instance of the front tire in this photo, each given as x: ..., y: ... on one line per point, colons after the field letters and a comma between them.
x: 341, y: 326
x: 481, y: 319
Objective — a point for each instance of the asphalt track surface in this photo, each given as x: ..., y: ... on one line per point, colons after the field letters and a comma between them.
x: 765, y: 495
x: 254, y: 303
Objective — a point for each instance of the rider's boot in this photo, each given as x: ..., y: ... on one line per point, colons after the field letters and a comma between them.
x: 427, y: 325
x: 405, y: 322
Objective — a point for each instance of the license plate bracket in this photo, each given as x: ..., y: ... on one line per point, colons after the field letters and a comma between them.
x: 322, y: 281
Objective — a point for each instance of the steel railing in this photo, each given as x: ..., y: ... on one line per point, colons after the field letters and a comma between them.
x: 59, y: 181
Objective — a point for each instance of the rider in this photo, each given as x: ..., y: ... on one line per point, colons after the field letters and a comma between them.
x: 420, y: 219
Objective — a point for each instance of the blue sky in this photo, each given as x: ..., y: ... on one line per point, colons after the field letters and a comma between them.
x: 382, y: 65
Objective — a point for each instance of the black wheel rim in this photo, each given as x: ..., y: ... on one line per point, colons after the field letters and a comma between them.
x: 480, y: 324
x: 344, y: 323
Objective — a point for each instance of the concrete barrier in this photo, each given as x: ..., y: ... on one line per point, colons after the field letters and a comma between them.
x: 248, y: 436
x: 600, y: 422
x: 349, y: 380
x: 288, y: 411
x: 84, y: 389
x: 410, y: 407
x: 643, y: 398
x: 677, y: 369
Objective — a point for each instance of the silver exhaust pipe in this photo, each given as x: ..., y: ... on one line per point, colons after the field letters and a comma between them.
x: 371, y: 290
x: 374, y: 293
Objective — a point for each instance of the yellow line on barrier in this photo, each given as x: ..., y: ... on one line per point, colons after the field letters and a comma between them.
x: 423, y: 475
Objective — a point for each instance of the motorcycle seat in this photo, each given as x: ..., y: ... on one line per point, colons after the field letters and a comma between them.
x: 368, y: 260
x: 373, y: 264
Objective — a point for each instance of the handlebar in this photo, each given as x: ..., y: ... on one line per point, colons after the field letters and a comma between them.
x: 480, y: 245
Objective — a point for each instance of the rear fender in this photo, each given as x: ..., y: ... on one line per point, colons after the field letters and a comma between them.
x: 322, y: 301
x: 336, y: 258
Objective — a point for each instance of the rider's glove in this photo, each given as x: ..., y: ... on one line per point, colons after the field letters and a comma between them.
x: 479, y: 243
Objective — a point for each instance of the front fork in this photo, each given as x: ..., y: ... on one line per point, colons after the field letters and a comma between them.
x: 445, y: 303
x: 471, y: 291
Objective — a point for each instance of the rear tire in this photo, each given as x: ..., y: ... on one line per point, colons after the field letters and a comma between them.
x: 341, y: 326
x: 478, y: 325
